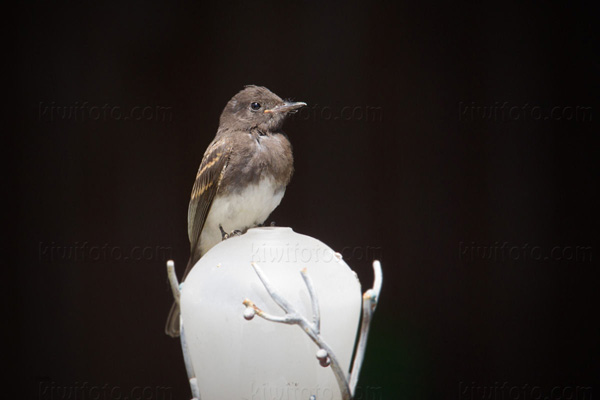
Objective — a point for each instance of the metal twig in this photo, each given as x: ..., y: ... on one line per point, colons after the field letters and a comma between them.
x: 184, y: 347
x: 313, y: 300
x: 173, y: 280
x: 370, y: 298
x: 292, y: 317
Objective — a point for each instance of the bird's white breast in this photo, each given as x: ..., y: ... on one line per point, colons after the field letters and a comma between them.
x: 247, y: 208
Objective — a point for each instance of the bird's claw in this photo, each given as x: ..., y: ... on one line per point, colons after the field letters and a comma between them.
x: 262, y: 225
x: 225, y: 235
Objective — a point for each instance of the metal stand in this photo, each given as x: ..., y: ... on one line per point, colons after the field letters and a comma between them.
x: 347, y: 382
x: 176, y: 289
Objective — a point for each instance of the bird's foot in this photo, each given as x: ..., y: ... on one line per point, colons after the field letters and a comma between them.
x: 225, y: 235
x: 264, y: 224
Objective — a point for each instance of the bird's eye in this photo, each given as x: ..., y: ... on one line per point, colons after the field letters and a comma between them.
x: 255, y: 106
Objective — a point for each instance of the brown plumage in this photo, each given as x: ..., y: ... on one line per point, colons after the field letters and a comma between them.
x: 243, y: 174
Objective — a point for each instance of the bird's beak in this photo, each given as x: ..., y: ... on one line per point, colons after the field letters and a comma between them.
x: 286, y: 107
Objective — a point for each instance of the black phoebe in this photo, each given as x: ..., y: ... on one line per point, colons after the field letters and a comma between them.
x: 242, y: 176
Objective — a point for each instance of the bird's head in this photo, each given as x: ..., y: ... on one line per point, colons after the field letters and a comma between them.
x: 257, y: 107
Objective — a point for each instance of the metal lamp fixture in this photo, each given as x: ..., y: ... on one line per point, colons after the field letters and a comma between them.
x: 273, y: 314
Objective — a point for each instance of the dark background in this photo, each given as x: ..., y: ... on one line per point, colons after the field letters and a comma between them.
x: 420, y: 185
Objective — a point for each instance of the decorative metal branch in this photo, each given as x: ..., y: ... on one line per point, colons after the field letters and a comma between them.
x: 370, y: 298
x: 325, y: 355
x: 176, y: 289
x: 173, y: 280
x: 314, y: 301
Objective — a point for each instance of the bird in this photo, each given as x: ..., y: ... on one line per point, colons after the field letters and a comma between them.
x: 242, y: 177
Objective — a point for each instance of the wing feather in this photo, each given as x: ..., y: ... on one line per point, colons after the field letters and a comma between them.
x: 205, y: 188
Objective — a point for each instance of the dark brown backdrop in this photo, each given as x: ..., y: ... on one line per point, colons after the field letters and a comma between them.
x: 397, y: 158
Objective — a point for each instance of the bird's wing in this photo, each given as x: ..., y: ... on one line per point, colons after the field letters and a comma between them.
x: 205, y: 188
